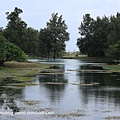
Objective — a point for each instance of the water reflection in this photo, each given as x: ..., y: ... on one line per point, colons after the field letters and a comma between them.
x: 55, y: 91
x: 106, y: 96
x: 58, y: 78
x: 91, y: 66
x: 106, y: 79
x: 58, y: 90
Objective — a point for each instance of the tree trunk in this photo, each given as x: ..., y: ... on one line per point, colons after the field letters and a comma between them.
x: 1, y: 62
x: 54, y: 54
x: 48, y: 55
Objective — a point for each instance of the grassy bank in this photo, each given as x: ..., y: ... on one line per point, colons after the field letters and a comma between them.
x: 21, y: 73
x: 112, y: 68
x: 18, y: 74
x: 20, y: 69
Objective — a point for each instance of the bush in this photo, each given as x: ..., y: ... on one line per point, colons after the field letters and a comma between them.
x: 9, y: 51
x: 113, y: 52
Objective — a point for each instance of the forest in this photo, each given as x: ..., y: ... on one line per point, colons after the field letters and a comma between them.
x: 99, y: 37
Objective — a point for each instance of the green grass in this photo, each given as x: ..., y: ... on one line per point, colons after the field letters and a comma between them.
x: 18, y: 74
x: 112, y: 68
x: 21, y: 71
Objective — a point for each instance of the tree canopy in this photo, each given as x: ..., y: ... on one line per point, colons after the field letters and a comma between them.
x: 15, y: 30
x: 9, y: 51
x: 47, y: 42
x: 97, y: 35
x: 54, y: 36
x: 113, y: 52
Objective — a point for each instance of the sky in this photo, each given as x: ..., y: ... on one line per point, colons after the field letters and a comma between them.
x: 37, y: 12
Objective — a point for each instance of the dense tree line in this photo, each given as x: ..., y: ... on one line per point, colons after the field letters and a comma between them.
x: 100, y: 37
x: 48, y: 42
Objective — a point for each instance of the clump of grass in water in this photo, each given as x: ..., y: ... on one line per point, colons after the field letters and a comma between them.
x: 69, y: 115
x: 13, y: 87
x: 113, y: 118
x: 31, y: 102
x: 113, y: 68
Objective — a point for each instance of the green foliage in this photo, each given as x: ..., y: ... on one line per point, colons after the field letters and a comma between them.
x: 45, y: 46
x: 1, y: 30
x: 2, y: 47
x: 31, y: 45
x: 9, y: 51
x: 97, y: 35
x: 48, y: 41
x: 58, y: 33
x: 84, y: 43
x: 13, y: 52
x: 114, y: 29
x: 15, y: 30
x: 53, y: 37
x: 113, y: 52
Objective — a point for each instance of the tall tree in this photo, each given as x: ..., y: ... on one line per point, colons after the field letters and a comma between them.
x: 114, y: 27
x: 85, y: 31
x: 15, y: 31
x: 99, y: 38
x: 93, y: 40
x: 45, y: 45
x: 58, y: 33
x: 31, y: 47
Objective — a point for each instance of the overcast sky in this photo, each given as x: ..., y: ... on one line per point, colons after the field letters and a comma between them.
x: 37, y: 12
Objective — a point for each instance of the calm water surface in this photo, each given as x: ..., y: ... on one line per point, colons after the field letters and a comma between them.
x: 97, y: 102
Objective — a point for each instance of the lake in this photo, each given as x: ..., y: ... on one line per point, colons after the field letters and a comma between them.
x: 83, y: 91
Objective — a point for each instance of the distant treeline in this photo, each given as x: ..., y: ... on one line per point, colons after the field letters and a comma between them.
x: 100, y: 37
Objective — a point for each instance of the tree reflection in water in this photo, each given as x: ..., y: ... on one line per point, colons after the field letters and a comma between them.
x: 54, y: 91
x: 104, y: 95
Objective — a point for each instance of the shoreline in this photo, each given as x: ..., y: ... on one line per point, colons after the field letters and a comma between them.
x: 18, y: 74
